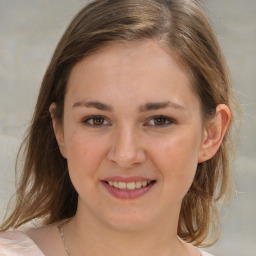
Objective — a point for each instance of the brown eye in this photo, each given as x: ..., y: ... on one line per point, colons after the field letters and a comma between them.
x: 160, y: 121
x: 96, y: 121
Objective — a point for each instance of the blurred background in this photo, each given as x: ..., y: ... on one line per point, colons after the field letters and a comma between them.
x: 29, y: 32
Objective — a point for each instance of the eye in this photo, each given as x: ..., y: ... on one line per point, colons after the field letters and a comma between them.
x: 96, y: 121
x: 160, y: 121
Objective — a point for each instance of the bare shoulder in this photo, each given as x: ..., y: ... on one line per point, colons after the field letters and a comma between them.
x: 47, y: 239
x: 41, y: 233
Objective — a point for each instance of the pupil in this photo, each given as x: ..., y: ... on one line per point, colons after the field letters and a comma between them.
x: 160, y: 120
x: 98, y: 121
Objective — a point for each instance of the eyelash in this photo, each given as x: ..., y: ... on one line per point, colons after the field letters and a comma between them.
x: 169, y: 121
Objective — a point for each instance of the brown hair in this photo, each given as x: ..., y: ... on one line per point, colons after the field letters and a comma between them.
x: 45, y: 189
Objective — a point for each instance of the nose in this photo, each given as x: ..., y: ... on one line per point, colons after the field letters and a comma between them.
x: 126, y: 149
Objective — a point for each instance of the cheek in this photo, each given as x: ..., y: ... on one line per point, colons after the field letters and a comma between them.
x: 176, y: 160
x: 84, y: 154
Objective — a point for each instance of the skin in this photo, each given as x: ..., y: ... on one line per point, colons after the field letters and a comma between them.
x: 129, y: 141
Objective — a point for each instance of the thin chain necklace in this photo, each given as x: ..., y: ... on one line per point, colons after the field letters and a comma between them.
x: 60, y: 229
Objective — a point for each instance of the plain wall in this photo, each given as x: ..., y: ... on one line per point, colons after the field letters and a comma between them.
x: 29, y: 31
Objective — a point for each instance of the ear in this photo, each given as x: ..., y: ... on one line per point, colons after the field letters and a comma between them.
x: 58, y: 129
x: 214, y: 133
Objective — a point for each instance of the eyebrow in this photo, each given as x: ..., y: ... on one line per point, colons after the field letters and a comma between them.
x: 160, y: 105
x: 93, y: 104
x: 147, y: 107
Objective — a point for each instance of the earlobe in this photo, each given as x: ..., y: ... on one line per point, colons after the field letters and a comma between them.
x: 214, y: 133
x: 58, y: 131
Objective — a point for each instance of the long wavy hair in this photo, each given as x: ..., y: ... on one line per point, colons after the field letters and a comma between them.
x: 45, y: 190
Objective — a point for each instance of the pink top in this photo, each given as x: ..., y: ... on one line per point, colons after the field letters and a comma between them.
x: 17, y: 243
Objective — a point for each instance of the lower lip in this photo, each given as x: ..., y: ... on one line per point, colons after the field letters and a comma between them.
x: 128, y: 194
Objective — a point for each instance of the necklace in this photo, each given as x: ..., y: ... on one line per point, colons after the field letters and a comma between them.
x: 60, y: 229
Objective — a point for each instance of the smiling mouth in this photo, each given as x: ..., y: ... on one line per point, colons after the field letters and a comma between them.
x: 129, y: 185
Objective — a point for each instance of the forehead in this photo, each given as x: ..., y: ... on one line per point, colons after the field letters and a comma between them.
x: 125, y: 54
x: 143, y: 70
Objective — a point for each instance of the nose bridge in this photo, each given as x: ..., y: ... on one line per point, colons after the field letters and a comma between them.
x: 127, y: 148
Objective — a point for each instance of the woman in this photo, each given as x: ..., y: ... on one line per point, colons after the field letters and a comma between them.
x: 127, y: 152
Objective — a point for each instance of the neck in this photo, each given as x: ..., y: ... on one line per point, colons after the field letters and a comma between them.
x: 85, y: 236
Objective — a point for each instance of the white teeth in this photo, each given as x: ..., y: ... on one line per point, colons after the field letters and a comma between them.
x: 121, y: 185
x: 144, y: 183
x: 138, y: 184
x: 129, y: 185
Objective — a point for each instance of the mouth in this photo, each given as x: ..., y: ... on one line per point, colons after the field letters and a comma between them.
x: 129, y: 185
x: 129, y: 189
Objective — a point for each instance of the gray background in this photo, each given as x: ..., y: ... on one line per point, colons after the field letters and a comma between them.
x: 29, y: 31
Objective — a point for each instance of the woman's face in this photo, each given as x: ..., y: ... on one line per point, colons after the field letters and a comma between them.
x: 132, y: 135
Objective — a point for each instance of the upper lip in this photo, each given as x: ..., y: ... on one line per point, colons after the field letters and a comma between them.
x: 126, y: 179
